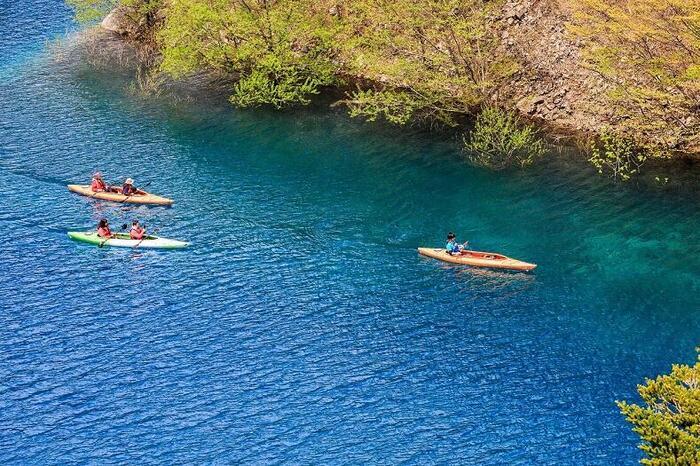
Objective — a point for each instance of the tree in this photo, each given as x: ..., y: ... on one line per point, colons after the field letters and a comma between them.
x: 669, y: 423
x: 424, y: 59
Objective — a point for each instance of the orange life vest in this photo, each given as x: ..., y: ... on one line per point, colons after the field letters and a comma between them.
x: 104, y: 232
x: 136, y: 233
x: 98, y: 185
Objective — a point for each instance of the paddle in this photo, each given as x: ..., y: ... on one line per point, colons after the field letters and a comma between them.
x: 102, y: 243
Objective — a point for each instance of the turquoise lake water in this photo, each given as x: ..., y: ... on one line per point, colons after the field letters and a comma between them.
x: 301, y: 326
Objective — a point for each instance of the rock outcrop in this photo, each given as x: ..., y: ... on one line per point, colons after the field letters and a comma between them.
x: 119, y: 21
x: 552, y: 84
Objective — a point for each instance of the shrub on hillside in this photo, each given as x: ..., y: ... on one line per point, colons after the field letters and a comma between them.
x: 500, y: 140
x: 616, y: 157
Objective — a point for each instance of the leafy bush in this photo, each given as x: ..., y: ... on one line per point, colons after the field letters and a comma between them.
x: 500, y: 140
x: 669, y: 424
x: 400, y: 107
x: 279, y: 90
x: 280, y: 83
x: 616, y: 156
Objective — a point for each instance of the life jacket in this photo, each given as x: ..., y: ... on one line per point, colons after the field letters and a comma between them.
x: 98, y: 185
x: 128, y: 189
x: 104, y: 232
x: 136, y: 233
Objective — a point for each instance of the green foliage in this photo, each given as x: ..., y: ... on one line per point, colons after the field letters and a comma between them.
x: 87, y: 11
x: 398, y: 107
x: 669, y: 421
x: 432, y: 59
x: 616, y: 156
x: 278, y: 87
x: 280, y: 50
x: 500, y: 140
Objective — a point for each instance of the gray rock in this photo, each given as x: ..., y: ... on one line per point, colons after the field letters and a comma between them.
x: 119, y: 22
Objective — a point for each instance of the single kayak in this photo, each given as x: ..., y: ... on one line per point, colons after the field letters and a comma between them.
x: 84, y: 190
x: 122, y: 240
x: 477, y: 259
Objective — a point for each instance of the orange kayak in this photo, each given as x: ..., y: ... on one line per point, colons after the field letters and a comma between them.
x: 477, y: 259
x: 117, y: 197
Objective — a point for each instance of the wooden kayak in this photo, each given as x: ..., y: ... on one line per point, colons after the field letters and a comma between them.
x: 147, y: 198
x: 477, y: 259
x: 123, y: 240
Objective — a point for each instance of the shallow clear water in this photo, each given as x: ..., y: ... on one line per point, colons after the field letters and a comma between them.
x: 301, y: 326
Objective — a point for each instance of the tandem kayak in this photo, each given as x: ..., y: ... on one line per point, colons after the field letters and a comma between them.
x: 122, y: 240
x: 84, y: 189
x: 478, y: 259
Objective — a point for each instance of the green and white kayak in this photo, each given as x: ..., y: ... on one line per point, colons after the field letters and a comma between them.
x: 122, y: 240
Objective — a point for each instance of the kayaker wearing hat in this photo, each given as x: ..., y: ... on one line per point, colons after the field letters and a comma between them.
x: 137, y: 231
x: 98, y: 184
x: 129, y: 189
x: 452, y: 246
x: 103, y: 230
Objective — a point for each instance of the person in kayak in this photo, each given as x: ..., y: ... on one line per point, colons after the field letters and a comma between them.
x: 129, y: 189
x: 452, y: 247
x: 98, y: 184
x: 103, y: 230
x: 137, y: 231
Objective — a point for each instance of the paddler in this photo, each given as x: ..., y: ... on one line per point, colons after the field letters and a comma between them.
x: 137, y: 231
x: 103, y: 230
x: 129, y: 189
x: 98, y: 184
x: 452, y: 247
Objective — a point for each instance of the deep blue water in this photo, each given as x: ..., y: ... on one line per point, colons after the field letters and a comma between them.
x: 301, y: 326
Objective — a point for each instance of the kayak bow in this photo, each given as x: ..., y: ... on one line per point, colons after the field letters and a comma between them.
x: 123, y: 240
x: 147, y: 198
x: 478, y: 259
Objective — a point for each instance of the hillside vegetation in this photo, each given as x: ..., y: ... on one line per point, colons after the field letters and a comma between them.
x: 630, y: 69
x: 649, y: 50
